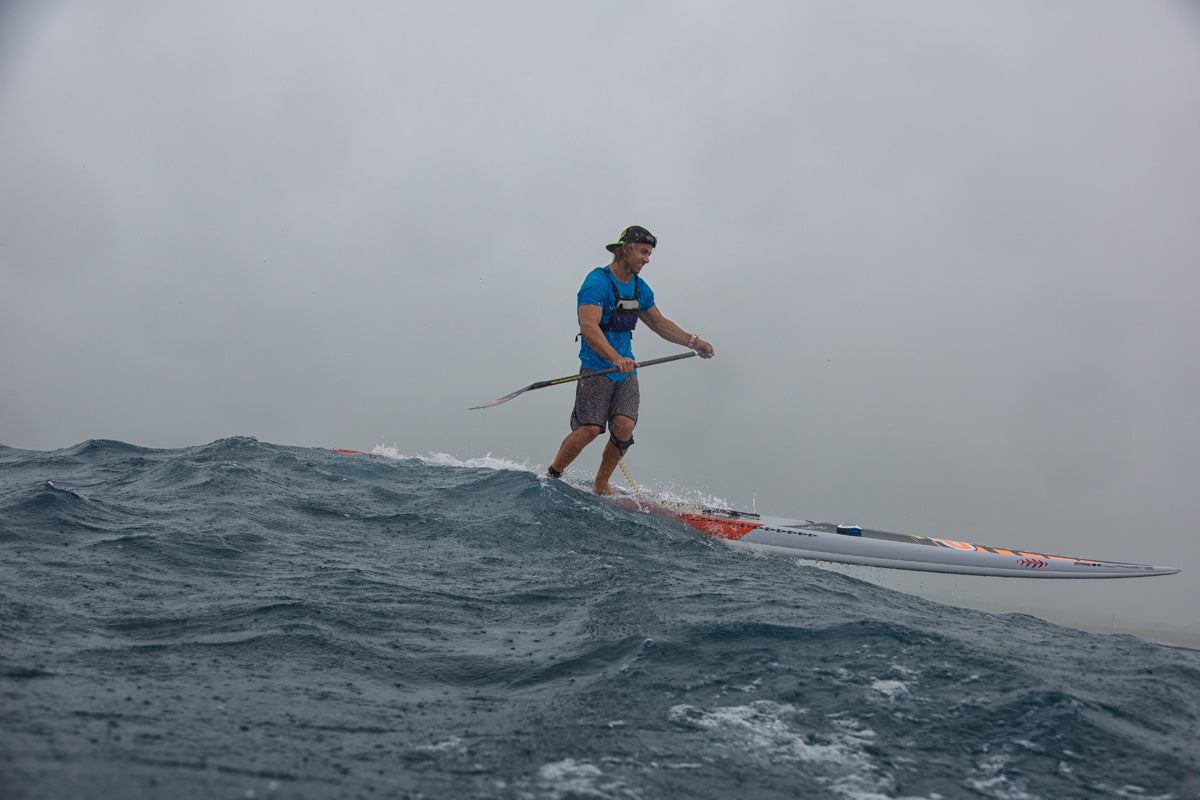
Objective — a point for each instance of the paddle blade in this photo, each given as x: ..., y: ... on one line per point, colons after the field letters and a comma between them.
x: 498, y: 400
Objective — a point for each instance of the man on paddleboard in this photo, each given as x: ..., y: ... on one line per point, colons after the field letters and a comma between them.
x: 611, y: 302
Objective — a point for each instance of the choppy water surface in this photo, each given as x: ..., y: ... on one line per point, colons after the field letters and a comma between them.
x: 244, y: 619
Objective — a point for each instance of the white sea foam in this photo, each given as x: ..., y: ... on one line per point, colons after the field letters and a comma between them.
x: 669, y: 495
x: 991, y: 779
x: 453, y: 744
x: 568, y: 770
x: 769, y: 729
x: 775, y: 733
x: 890, y: 688
x: 446, y: 460
x: 571, y: 778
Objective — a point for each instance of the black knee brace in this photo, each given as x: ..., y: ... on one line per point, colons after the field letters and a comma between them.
x: 617, y: 443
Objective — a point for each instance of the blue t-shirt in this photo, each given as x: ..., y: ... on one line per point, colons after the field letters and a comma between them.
x: 597, y: 290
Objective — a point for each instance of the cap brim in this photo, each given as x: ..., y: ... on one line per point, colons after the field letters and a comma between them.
x: 612, y: 248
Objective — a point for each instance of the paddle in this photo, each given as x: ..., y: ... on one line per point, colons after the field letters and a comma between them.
x: 569, y: 378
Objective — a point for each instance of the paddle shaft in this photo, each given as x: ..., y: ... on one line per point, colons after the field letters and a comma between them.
x: 543, y: 384
x: 609, y: 370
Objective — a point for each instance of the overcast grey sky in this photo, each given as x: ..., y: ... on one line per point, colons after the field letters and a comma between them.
x: 946, y: 251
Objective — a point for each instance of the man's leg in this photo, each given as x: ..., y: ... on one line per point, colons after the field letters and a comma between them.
x: 621, y: 428
x: 572, y: 446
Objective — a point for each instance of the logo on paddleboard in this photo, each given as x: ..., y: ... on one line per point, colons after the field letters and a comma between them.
x: 787, y: 530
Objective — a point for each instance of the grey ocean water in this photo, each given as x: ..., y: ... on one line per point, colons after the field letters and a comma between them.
x: 249, y: 620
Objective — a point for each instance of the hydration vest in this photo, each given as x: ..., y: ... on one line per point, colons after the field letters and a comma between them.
x: 625, y: 310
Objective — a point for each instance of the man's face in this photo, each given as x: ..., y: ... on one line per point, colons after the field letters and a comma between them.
x: 638, y: 256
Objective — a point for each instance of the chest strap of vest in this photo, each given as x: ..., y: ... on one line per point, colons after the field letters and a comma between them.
x: 617, y: 310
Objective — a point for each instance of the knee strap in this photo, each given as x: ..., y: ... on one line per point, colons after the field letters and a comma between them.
x: 621, y: 446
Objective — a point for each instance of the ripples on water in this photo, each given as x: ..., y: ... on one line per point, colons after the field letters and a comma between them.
x: 244, y: 619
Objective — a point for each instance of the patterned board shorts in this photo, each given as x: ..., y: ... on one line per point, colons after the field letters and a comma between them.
x: 597, y: 400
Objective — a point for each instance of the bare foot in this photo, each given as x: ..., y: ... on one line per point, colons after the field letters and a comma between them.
x: 603, y: 488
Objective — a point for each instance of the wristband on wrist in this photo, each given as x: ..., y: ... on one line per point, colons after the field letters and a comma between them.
x: 692, y: 342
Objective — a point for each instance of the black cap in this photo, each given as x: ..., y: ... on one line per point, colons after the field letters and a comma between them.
x: 634, y: 234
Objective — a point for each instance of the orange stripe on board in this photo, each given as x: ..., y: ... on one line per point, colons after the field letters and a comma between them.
x: 956, y: 545
x: 716, y: 526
